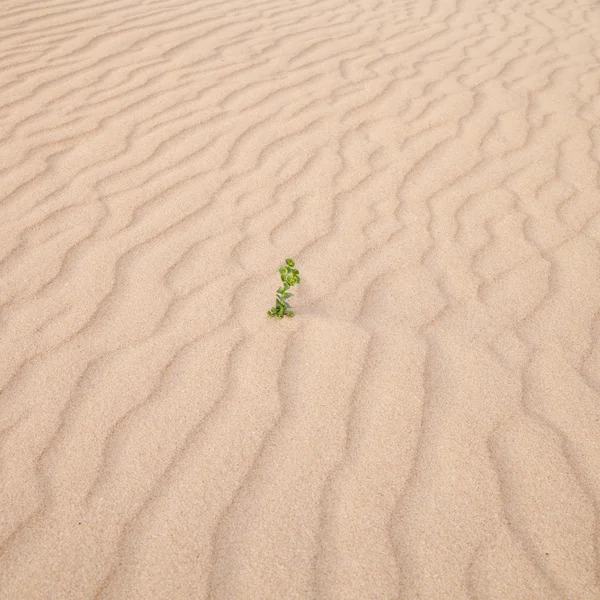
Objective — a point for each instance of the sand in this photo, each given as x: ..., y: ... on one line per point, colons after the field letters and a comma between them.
x: 427, y: 426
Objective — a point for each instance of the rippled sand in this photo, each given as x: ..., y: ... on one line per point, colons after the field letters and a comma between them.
x: 427, y: 426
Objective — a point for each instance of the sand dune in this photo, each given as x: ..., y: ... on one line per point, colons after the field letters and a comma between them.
x: 427, y: 426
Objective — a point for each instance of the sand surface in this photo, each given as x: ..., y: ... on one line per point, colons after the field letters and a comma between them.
x: 427, y: 426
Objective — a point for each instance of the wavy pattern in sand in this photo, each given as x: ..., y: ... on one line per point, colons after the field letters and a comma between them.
x: 429, y: 424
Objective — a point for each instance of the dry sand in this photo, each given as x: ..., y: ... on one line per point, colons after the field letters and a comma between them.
x: 427, y: 426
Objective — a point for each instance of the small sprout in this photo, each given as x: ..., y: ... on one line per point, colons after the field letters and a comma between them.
x: 289, y: 277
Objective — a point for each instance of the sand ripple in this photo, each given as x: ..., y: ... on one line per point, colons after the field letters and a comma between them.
x: 428, y: 426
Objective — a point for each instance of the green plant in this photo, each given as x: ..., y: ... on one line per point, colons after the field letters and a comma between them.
x: 289, y: 277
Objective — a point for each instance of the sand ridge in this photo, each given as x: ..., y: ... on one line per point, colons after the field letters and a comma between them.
x: 427, y: 426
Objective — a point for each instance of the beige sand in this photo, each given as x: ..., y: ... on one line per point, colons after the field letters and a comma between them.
x: 427, y: 426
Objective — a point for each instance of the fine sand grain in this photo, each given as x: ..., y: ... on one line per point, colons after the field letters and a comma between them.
x: 427, y: 426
